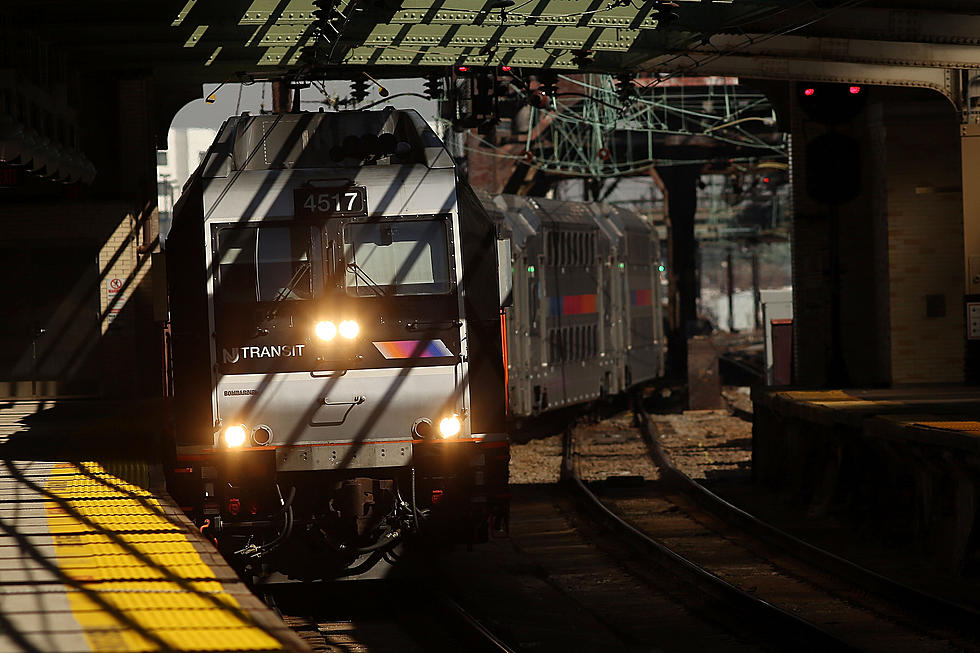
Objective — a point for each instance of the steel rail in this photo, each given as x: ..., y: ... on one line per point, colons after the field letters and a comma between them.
x: 479, y: 635
x: 787, y: 628
x: 958, y: 617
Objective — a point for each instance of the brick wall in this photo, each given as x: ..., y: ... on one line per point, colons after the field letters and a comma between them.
x: 925, y: 241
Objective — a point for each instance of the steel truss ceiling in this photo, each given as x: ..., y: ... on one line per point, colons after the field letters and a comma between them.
x: 590, y: 131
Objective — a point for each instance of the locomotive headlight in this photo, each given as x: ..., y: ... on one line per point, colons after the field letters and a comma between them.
x: 326, y: 330
x: 235, y: 435
x: 449, y: 426
x: 349, y: 329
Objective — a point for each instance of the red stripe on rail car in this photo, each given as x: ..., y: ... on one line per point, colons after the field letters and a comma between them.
x: 643, y: 297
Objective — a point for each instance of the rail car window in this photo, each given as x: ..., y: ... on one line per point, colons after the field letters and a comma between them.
x: 262, y: 264
x: 396, y: 258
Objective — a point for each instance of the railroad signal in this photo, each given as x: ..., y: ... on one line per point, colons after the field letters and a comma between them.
x: 772, y: 178
x: 831, y: 104
x: 833, y: 168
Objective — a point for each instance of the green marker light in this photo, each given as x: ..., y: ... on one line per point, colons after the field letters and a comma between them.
x: 530, y: 269
x: 662, y: 268
x: 622, y: 265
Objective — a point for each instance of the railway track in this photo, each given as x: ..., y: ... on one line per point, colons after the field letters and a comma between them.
x: 375, y: 617
x: 788, y: 594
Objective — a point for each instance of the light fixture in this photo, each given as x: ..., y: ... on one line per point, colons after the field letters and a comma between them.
x: 235, y: 435
x: 325, y: 330
x: 349, y: 329
x: 449, y: 426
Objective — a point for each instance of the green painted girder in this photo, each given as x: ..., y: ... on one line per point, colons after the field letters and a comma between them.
x: 467, y: 12
x: 468, y: 36
x: 263, y: 37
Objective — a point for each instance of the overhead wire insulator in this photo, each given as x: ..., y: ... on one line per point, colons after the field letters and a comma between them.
x: 625, y: 90
x: 433, y: 87
x: 358, y: 90
x: 327, y: 20
x: 583, y: 58
x: 665, y: 13
x: 547, y: 90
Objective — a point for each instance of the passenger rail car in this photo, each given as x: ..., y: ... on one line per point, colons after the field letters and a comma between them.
x: 587, y: 318
x: 336, y: 345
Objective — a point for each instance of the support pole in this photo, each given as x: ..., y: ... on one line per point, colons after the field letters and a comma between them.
x: 731, y: 293
x: 680, y: 183
x: 756, y: 295
x: 280, y: 96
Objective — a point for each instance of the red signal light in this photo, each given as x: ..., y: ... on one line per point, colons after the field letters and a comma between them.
x: 765, y: 180
x: 462, y: 69
x: 854, y: 90
x: 809, y: 91
x: 505, y: 69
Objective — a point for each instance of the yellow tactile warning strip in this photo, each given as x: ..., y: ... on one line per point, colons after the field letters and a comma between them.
x: 965, y: 426
x: 824, y: 397
x: 133, y: 579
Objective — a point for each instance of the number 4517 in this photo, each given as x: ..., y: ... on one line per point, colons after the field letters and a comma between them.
x: 331, y: 202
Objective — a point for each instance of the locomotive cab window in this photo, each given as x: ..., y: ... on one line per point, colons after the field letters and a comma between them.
x: 396, y: 258
x: 263, y: 264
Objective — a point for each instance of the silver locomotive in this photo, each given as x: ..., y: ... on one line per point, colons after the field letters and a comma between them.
x: 336, y: 345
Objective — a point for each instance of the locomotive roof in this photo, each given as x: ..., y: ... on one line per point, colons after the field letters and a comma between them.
x: 325, y: 140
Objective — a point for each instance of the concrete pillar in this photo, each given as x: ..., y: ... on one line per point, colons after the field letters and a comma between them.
x: 681, y: 198
x: 970, y: 171
x: 876, y: 278
x: 924, y: 209
x: 836, y: 284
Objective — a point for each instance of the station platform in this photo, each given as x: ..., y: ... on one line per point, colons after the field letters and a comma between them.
x: 903, y: 462
x: 92, y: 562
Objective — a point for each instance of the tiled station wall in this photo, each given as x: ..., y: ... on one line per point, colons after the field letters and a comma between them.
x: 900, y: 245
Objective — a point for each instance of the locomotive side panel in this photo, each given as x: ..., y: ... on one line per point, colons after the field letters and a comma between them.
x: 478, y: 242
x: 186, y: 272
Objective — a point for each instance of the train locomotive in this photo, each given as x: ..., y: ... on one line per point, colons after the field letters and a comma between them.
x: 336, y: 345
x: 351, y: 324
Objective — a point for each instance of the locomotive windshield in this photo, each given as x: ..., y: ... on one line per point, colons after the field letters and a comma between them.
x: 396, y: 258
x: 263, y: 264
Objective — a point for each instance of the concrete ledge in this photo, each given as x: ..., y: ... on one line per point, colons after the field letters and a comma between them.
x: 903, y: 462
